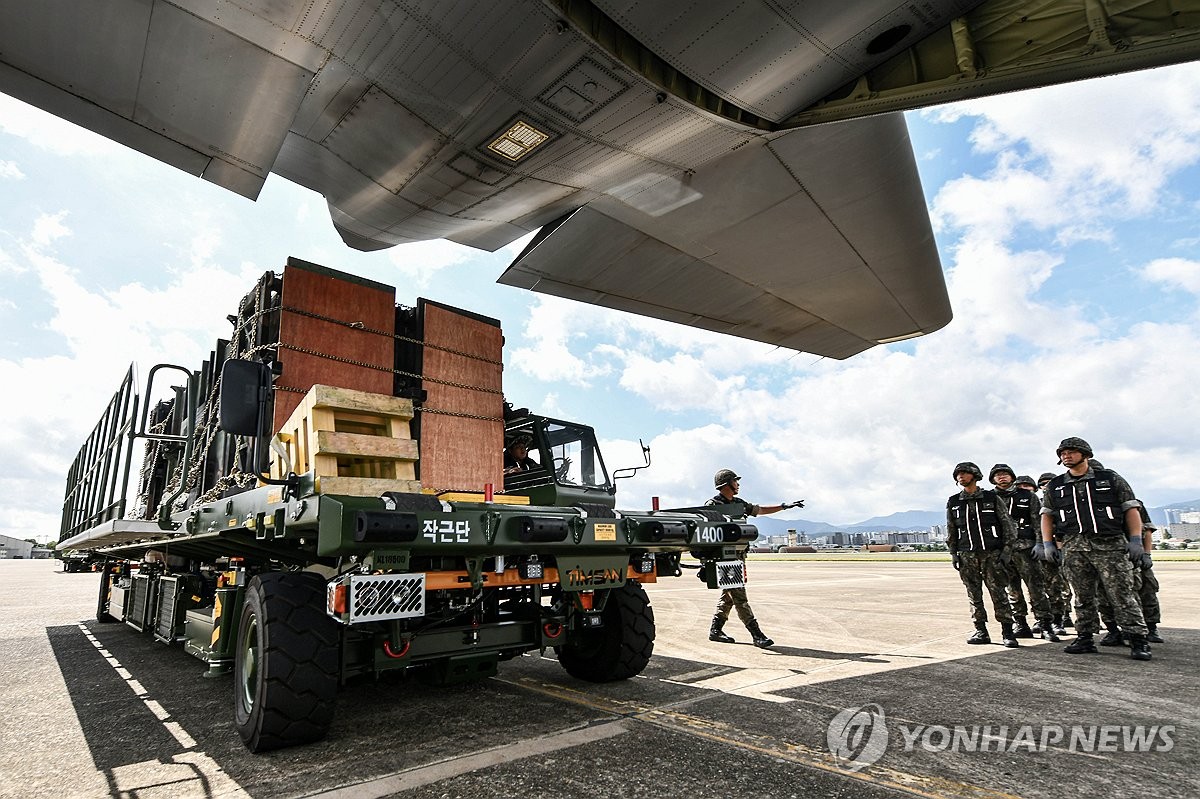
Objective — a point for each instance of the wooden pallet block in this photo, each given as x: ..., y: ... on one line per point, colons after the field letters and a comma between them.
x: 356, y: 442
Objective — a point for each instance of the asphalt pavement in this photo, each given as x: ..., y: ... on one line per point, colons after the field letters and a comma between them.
x: 870, y: 690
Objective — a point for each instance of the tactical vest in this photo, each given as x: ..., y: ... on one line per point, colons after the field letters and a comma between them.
x: 1024, y: 507
x: 1087, y: 506
x: 977, y: 520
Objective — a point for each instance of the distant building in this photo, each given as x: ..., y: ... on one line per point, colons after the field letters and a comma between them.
x: 15, y: 548
x: 1184, y: 530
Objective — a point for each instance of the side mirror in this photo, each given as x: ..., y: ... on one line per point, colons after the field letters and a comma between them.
x: 243, y: 388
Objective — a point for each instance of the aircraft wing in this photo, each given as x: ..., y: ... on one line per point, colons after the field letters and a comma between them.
x: 778, y: 242
x: 644, y: 124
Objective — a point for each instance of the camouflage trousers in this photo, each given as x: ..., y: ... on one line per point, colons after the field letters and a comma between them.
x: 1145, y: 583
x: 1024, y: 569
x: 1058, y: 590
x: 977, y: 569
x: 1095, y: 572
x: 734, y: 598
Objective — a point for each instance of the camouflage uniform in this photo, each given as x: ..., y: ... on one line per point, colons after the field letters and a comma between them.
x: 1145, y: 583
x: 735, y: 597
x: 1024, y: 507
x: 1058, y: 590
x: 1088, y: 512
x: 979, y: 530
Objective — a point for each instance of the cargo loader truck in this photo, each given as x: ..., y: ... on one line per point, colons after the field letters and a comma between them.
x: 325, y: 499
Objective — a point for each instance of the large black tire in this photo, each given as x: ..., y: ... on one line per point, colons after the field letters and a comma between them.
x: 285, y: 673
x: 621, y: 648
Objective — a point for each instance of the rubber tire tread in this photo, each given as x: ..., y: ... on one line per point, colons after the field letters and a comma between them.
x: 622, y: 647
x: 298, y: 662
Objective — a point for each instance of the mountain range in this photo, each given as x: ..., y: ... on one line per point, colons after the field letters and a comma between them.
x: 902, y: 520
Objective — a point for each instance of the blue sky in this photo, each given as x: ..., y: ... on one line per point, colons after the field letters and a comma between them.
x: 1066, y: 219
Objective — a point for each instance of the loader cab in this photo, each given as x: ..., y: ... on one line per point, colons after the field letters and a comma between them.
x: 566, y: 467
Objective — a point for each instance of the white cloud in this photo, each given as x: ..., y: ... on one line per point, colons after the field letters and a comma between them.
x: 1069, y: 157
x: 49, y: 227
x: 420, y: 261
x: 9, y: 170
x: 1175, y: 273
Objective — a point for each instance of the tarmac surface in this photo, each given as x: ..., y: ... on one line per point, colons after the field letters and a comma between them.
x: 870, y: 660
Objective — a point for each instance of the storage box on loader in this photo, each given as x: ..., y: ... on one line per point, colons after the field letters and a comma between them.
x: 383, y: 533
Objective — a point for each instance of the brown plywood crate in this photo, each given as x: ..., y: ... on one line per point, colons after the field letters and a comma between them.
x: 356, y: 442
x: 462, y: 427
x: 335, y: 329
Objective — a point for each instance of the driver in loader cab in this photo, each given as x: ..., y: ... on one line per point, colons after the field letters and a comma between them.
x: 516, y: 456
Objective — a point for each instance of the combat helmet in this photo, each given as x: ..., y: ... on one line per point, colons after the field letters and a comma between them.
x: 1024, y: 479
x: 1074, y: 442
x: 724, y: 477
x: 966, y: 466
x: 1001, y: 467
x: 1045, y: 477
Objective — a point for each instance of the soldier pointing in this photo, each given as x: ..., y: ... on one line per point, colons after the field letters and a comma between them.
x: 727, y: 482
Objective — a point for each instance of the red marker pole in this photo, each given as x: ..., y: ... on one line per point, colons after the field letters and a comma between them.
x: 487, y: 492
x: 653, y: 503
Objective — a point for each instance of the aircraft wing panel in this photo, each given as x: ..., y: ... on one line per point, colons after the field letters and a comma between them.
x: 129, y: 70
x: 816, y: 240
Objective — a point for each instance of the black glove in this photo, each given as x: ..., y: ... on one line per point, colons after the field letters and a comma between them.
x: 1050, y: 552
x: 1146, y: 562
x: 797, y: 504
x: 1134, y: 547
x: 1036, y: 553
x: 955, y: 560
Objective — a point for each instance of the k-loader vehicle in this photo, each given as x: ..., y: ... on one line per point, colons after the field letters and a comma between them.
x: 326, y: 499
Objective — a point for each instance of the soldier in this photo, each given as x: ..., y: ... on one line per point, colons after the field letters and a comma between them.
x: 1025, y: 509
x: 1146, y: 585
x: 1096, y: 513
x: 727, y: 482
x: 1058, y: 591
x: 980, y: 536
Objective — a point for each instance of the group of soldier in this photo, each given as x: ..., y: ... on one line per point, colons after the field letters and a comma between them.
x: 1085, y: 533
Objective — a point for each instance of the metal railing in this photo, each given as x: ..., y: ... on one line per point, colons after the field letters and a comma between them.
x: 98, y: 481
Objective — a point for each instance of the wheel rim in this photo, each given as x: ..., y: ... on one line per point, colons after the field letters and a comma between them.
x: 249, y: 657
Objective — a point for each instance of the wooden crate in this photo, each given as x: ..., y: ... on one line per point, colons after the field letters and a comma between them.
x: 349, y: 320
x: 463, y: 446
x: 357, y: 443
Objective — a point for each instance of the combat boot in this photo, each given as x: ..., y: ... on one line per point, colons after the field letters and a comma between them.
x: 1008, y: 637
x: 981, y: 635
x: 715, y: 633
x: 1082, y: 645
x: 1114, y: 637
x: 1021, y: 629
x: 758, y: 637
x: 1048, y: 631
x: 1152, y: 634
x: 1138, y: 648
x: 1067, y: 620
x: 1056, y: 625
x: 1037, y: 627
